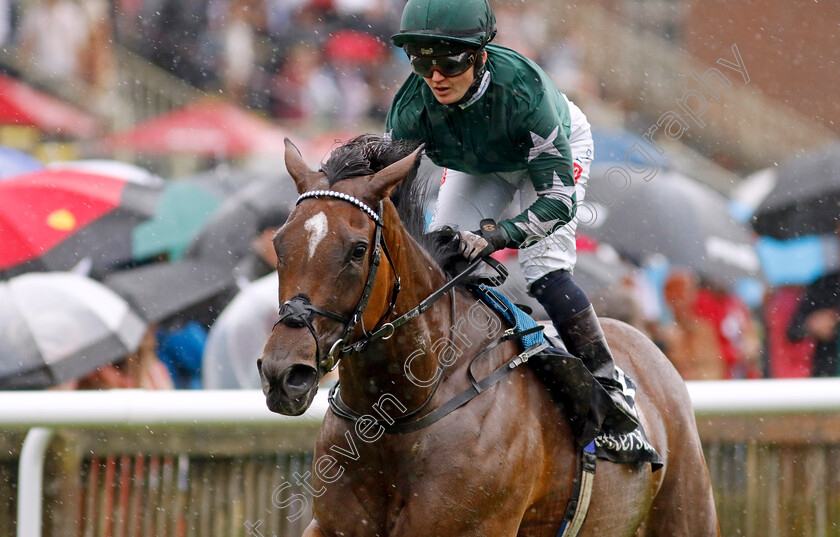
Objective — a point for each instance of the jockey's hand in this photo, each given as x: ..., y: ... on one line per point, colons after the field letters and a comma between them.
x: 482, y: 242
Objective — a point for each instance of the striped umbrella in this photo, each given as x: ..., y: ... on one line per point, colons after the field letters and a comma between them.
x: 55, y: 219
x: 59, y: 326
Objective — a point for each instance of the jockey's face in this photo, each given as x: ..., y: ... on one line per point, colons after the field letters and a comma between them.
x: 450, y: 89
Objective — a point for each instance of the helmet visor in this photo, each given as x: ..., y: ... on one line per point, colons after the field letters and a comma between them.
x: 452, y: 65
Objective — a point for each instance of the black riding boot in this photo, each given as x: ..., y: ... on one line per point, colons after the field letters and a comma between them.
x: 584, y: 338
x: 574, y: 317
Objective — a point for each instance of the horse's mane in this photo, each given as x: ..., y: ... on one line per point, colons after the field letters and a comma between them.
x: 368, y: 154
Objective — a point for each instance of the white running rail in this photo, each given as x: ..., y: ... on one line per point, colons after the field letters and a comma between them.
x: 43, y: 411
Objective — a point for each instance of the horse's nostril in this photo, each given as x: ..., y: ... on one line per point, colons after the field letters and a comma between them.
x: 300, y: 379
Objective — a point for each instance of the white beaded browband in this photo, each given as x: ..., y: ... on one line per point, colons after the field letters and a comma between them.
x: 342, y: 196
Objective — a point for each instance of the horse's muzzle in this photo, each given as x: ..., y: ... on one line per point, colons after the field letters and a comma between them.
x: 288, y: 391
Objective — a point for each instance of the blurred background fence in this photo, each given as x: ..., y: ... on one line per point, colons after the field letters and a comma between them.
x: 216, y: 463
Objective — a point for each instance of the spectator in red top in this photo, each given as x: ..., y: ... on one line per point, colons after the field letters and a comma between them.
x: 690, y: 340
x: 786, y: 358
x: 735, y: 330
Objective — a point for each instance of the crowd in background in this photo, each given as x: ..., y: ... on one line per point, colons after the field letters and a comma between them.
x: 321, y: 62
x: 284, y: 58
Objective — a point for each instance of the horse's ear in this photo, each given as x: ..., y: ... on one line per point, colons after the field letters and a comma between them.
x: 386, y: 179
x: 305, y: 179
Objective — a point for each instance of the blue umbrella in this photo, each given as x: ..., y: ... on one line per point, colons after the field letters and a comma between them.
x: 16, y: 162
x: 798, y: 261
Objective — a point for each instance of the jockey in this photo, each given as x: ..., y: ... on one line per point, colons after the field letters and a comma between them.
x: 497, y: 125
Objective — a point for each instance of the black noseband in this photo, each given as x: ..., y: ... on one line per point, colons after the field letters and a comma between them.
x: 297, y: 313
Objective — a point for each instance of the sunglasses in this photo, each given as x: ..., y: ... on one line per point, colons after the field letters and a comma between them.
x: 448, y: 66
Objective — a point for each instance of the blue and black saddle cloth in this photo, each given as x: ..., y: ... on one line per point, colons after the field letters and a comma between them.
x: 629, y: 448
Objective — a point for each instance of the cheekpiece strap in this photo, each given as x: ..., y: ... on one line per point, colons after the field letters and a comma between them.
x: 342, y: 196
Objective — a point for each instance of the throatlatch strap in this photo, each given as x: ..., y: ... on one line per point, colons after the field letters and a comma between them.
x: 578, y: 505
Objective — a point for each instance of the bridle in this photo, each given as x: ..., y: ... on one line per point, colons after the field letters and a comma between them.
x: 298, y: 311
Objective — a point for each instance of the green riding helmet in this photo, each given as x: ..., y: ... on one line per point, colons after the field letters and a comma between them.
x: 442, y: 27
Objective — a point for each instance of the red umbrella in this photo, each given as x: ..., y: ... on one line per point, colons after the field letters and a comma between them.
x: 207, y: 127
x: 354, y: 47
x: 52, y: 219
x: 21, y: 104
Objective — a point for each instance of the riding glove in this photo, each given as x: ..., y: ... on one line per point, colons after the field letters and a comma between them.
x: 482, y: 242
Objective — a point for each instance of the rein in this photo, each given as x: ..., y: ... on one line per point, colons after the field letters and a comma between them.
x: 298, y: 312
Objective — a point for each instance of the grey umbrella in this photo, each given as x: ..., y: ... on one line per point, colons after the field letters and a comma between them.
x: 676, y: 216
x: 226, y: 237
x: 193, y: 288
x: 59, y: 326
x: 805, y: 199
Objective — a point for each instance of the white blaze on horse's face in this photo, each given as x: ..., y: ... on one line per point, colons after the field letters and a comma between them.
x: 317, y: 228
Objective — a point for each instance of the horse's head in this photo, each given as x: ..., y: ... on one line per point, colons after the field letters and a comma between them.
x: 326, y: 250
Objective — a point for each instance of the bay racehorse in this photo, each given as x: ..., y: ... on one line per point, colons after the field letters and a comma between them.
x: 352, y: 275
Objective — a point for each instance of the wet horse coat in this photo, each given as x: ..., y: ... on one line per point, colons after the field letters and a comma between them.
x: 501, y: 465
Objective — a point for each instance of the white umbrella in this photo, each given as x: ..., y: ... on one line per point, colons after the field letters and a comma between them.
x: 751, y: 191
x: 237, y: 338
x: 111, y: 168
x: 59, y: 326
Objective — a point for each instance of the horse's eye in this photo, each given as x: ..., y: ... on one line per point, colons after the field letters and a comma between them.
x: 359, y: 251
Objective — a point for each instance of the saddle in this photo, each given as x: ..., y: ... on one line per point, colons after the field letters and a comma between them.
x: 577, y: 390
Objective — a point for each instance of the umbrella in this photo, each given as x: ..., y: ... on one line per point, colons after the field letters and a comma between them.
x: 227, y: 235
x: 53, y: 219
x: 684, y: 220
x: 196, y: 289
x: 238, y: 336
x: 352, y: 46
x: 181, y: 210
x: 805, y: 199
x: 798, y: 261
x: 58, y: 326
x: 748, y: 194
x: 111, y: 168
x: 20, y: 104
x: 208, y: 127
x: 14, y: 162
x: 184, y: 208
x: 223, y: 180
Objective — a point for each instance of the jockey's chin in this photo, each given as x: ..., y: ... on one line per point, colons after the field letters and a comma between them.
x: 450, y: 89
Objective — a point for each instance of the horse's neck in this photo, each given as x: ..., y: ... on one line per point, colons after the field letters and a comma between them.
x: 381, y: 368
